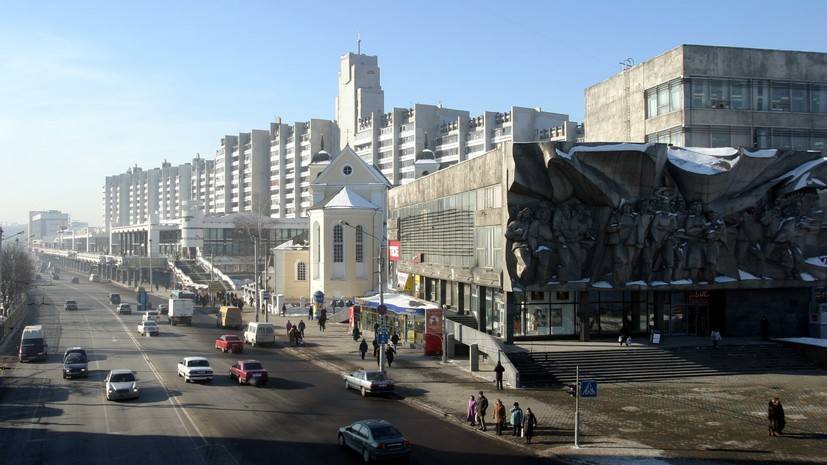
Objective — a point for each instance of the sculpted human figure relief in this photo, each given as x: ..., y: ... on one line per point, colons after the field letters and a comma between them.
x: 544, y: 250
x: 518, y: 232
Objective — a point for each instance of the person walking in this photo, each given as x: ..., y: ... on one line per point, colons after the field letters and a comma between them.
x: 516, y: 419
x: 389, y: 354
x: 775, y: 416
x: 375, y: 348
x: 715, y: 335
x: 499, y: 416
x: 363, y: 348
x: 301, y: 327
x: 482, y: 407
x: 529, y: 422
x: 356, y: 333
x: 472, y: 411
x: 288, y: 326
x: 765, y: 328
x: 395, y: 339
x: 498, y: 375
x: 283, y: 309
x: 322, y: 321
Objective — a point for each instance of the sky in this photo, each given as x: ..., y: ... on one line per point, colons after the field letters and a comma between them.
x: 88, y: 89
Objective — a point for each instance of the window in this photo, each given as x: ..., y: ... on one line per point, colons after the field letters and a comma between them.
x: 338, y: 244
x: 718, y: 93
x: 347, y: 170
x: 360, y: 255
x: 699, y: 95
x: 760, y: 93
x: 664, y: 98
x: 780, y: 96
x: 739, y: 95
x: 301, y: 271
x: 818, y: 98
x: 798, y: 98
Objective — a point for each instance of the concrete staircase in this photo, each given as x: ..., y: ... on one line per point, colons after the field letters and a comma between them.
x: 637, y: 364
x: 197, y: 274
x: 467, y: 320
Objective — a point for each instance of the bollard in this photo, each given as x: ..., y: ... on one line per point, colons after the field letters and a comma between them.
x: 474, y: 357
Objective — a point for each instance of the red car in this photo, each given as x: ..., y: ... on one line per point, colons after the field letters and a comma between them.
x: 229, y: 343
x: 248, y: 372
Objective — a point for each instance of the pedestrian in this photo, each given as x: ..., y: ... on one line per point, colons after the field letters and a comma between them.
x: 624, y: 333
x: 516, y: 419
x: 482, y: 407
x: 288, y: 326
x: 775, y: 416
x: 283, y: 310
x: 301, y: 327
x: 499, y: 416
x: 529, y: 422
x: 356, y: 333
x: 322, y: 321
x: 310, y: 313
x: 498, y: 375
x: 765, y: 328
x: 395, y: 339
x: 363, y: 348
x: 472, y: 411
x: 715, y: 335
x: 389, y: 354
x: 375, y: 328
x: 375, y: 348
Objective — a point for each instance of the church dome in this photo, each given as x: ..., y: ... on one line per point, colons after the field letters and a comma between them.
x: 321, y: 157
x: 426, y: 155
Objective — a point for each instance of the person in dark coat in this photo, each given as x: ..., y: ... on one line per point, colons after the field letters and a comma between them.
x: 375, y: 348
x: 395, y: 339
x: 283, y: 309
x: 529, y: 422
x: 389, y: 353
x: 765, y: 328
x: 775, y: 416
x: 482, y: 407
x: 322, y: 321
x: 301, y: 327
x: 363, y: 348
x: 498, y: 375
x: 356, y: 333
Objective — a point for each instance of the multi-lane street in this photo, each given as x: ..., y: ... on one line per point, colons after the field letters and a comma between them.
x: 45, y: 419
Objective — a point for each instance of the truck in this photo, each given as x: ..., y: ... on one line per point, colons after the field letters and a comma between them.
x: 32, y: 344
x: 180, y: 311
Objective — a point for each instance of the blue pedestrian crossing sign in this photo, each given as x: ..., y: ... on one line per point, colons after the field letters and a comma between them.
x: 382, y: 336
x: 588, y: 388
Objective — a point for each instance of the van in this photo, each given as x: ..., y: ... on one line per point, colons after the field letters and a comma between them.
x: 260, y: 333
x: 32, y: 344
x: 229, y: 317
x: 94, y: 278
x: 114, y: 299
x: 151, y: 315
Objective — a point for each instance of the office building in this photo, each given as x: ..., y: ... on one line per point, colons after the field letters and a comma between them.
x: 708, y: 96
x: 45, y: 225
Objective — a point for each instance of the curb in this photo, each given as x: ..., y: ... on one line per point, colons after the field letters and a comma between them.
x: 420, y: 405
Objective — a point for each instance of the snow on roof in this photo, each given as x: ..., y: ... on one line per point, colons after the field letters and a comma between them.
x: 802, y: 171
x: 398, y: 303
x: 347, y: 198
x: 763, y: 153
x: 604, y: 148
x: 703, y: 160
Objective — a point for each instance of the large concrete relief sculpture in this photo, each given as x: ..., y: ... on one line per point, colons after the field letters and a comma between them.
x: 652, y: 215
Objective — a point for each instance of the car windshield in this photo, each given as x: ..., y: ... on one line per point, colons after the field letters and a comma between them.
x: 122, y: 378
x: 70, y: 302
x: 375, y: 376
x: 149, y: 323
x: 384, y: 432
x: 252, y: 366
x: 75, y: 358
x: 198, y: 363
x: 32, y: 344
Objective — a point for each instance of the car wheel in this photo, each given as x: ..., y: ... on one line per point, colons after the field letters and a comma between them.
x: 186, y: 380
x: 347, y: 385
x: 341, y: 440
x: 224, y: 350
x: 365, y: 455
x: 240, y: 381
x: 364, y: 392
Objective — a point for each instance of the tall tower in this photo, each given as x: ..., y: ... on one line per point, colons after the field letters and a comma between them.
x: 360, y: 93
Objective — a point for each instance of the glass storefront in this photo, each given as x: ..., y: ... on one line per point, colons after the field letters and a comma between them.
x: 545, y: 314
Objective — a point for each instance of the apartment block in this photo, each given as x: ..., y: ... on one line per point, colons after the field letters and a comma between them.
x: 709, y: 96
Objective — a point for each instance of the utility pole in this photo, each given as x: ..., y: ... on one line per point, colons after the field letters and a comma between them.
x: 382, y: 295
x: 267, y: 288
x: 255, y: 271
x: 577, y: 408
x: 2, y: 294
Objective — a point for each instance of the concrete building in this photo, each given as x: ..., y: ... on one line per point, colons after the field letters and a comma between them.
x: 291, y: 270
x: 708, y: 96
x: 202, y: 179
x: 45, y: 225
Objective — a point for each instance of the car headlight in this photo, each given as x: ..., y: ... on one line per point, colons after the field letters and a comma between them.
x: 83, y: 369
x: 134, y: 387
x: 110, y: 388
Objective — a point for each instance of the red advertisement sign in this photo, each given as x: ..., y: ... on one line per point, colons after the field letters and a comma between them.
x: 433, y: 320
x: 393, y: 251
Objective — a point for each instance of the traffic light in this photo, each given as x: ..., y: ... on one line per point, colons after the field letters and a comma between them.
x: 571, y: 389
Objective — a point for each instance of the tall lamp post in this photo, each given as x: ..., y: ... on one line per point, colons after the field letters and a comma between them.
x: 381, y: 243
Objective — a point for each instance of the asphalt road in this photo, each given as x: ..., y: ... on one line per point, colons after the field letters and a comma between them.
x: 45, y: 419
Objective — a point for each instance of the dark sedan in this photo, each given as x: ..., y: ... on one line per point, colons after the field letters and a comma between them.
x: 375, y: 440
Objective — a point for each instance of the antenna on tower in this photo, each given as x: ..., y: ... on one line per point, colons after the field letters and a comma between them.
x: 358, y: 44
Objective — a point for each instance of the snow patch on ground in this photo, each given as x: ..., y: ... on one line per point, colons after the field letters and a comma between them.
x: 724, y: 279
x: 602, y: 285
x: 807, y: 277
x: 630, y: 408
x: 682, y: 282
x: 820, y: 262
x: 743, y: 275
x: 810, y: 341
x: 658, y: 283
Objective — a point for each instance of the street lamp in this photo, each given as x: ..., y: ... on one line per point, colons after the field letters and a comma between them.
x: 381, y: 242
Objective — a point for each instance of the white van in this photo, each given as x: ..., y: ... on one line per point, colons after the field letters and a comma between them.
x: 151, y: 315
x: 260, y: 334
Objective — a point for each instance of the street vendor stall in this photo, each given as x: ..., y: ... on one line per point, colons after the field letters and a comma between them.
x: 407, y: 316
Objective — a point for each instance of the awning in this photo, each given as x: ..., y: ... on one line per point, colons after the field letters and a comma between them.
x: 401, y: 304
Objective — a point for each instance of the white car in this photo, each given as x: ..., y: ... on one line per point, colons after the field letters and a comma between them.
x: 195, y: 369
x: 121, y: 384
x: 148, y: 327
x: 150, y: 315
x: 369, y: 382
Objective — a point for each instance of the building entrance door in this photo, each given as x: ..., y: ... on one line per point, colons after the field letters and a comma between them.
x: 698, y: 320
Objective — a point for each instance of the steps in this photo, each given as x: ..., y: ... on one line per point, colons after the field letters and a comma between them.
x: 197, y: 274
x: 625, y: 364
x: 465, y: 320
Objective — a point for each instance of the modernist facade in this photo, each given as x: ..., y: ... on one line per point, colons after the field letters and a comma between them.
x: 562, y: 240
x: 707, y: 96
x: 45, y: 225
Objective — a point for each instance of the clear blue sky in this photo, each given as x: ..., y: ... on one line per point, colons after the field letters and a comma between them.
x: 89, y: 88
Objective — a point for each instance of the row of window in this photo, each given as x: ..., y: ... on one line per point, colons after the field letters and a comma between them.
x: 339, y: 244
x: 734, y: 136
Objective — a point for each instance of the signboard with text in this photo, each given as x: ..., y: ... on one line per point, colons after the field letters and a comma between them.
x: 394, y: 251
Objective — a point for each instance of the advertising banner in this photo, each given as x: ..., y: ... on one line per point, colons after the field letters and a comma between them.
x: 393, y: 251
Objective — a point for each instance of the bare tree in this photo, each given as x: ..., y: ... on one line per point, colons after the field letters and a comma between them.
x: 18, y: 274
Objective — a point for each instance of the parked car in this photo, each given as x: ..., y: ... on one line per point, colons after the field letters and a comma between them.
x: 195, y: 369
x: 369, y: 382
x: 114, y: 299
x: 260, y: 334
x: 124, y: 309
x: 121, y: 384
x: 229, y: 343
x: 38, y: 277
x: 75, y: 363
x: 75, y: 280
x: 375, y: 440
x: 229, y: 317
x: 70, y: 305
x: 150, y: 315
x: 248, y: 372
x: 94, y: 278
x: 149, y: 327
x: 163, y: 309
x: 55, y: 276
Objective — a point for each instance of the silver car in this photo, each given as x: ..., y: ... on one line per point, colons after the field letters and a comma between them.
x: 149, y: 327
x: 121, y: 384
x: 369, y: 382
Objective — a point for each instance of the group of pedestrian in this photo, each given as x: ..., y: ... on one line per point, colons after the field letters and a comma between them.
x: 390, y: 352
x: 229, y: 299
x: 522, y: 423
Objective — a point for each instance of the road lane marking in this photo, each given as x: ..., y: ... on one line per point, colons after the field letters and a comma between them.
x: 98, y: 368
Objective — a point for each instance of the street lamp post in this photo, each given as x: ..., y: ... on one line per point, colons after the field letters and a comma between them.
x: 255, y: 270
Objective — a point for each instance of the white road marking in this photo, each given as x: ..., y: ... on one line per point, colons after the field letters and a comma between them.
x: 98, y: 367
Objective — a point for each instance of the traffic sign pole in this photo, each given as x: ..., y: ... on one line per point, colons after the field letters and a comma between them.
x: 577, y: 408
